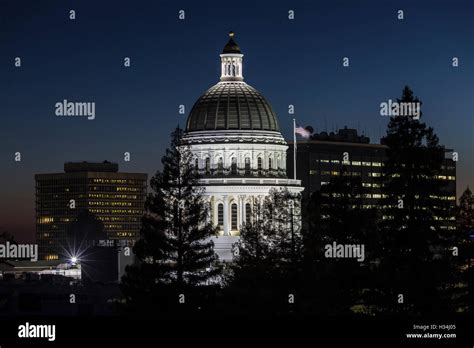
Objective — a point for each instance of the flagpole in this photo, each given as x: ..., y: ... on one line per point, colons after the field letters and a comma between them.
x: 294, y: 149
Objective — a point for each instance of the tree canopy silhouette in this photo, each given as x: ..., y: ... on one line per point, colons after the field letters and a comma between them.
x: 174, y: 254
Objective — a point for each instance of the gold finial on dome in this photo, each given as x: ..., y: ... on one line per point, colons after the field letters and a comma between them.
x: 231, y: 47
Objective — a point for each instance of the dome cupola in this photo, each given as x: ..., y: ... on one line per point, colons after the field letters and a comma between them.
x: 231, y: 61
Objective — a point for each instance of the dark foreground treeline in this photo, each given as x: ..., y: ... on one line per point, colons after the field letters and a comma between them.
x: 412, y: 264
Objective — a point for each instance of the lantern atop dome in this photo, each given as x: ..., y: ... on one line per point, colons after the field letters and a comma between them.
x: 231, y: 61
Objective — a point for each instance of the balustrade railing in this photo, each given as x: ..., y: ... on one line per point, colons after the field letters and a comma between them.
x: 241, y: 173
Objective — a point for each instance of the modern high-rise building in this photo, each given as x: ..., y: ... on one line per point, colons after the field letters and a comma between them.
x: 327, y: 154
x: 348, y: 153
x: 114, y: 198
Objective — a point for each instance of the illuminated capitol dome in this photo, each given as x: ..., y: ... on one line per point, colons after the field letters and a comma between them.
x: 234, y: 136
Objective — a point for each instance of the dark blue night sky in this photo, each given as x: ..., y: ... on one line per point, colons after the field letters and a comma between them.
x: 173, y: 61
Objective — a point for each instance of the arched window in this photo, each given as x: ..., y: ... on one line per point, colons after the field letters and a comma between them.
x: 259, y: 165
x: 248, y: 212
x: 247, y: 166
x: 220, y: 166
x: 234, y: 216
x: 220, y: 215
x: 269, y: 164
x: 196, y: 165
x: 233, y: 167
x: 208, y: 166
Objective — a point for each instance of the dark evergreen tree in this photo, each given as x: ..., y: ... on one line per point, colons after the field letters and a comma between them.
x: 336, y: 214
x: 465, y: 215
x: 265, y: 270
x: 414, y: 256
x: 251, y: 274
x: 282, y: 212
x: 465, y: 220
x: 174, y: 252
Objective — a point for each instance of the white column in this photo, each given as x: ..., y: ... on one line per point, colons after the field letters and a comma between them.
x: 226, y: 215
x: 244, y: 218
x: 254, y: 160
x: 214, y: 211
x: 241, y: 211
x: 210, y: 205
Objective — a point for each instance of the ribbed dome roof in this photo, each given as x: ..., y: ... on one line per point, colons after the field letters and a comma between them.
x: 232, y: 105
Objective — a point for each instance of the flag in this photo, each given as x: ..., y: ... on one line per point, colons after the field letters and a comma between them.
x: 303, y: 132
